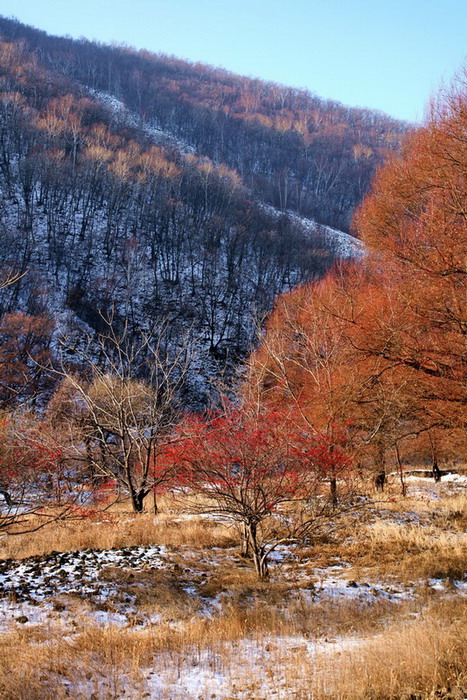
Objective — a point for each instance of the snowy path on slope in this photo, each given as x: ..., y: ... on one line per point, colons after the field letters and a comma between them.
x: 345, y: 246
x: 129, y: 118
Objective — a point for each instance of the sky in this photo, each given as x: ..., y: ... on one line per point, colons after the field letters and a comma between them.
x: 390, y: 55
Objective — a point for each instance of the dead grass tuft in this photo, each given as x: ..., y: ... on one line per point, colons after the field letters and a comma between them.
x: 155, y: 591
x: 412, y: 551
x: 119, y: 530
x: 412, y: 659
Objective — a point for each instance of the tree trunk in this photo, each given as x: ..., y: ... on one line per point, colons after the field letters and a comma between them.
x: 261, y: 566
x: 155, y: 507
x: 137, y: 501
x: 380, y: 478
x: 334, y: 499
x: 6, y: 496
x: 245, y: 544
x: 401, y: 472
x: 434, y: 452
x: 260, y: 560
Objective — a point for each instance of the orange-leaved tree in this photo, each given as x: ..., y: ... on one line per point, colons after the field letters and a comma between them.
x: 414, y: 224
x: 379, y: 347
x: 313, y: 358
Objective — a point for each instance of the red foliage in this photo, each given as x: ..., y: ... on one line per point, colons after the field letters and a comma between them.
x: 262, y: 468
x: 33, y: 477
x: 268, y: 457
x: 27, y: 454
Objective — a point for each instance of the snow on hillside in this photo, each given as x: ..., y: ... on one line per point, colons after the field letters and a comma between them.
x: 343, y: 244
x: 346, y: 246
x: 124, y: 116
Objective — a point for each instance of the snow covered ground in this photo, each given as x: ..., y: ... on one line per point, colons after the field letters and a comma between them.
x: 244, y: 669
x: 39, y: 589
x: 427, y: 487
x: 66, y: 595
x: 124, y: 116
x: 56, y: 586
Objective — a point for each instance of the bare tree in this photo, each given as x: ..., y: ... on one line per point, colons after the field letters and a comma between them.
x: 124, y: 409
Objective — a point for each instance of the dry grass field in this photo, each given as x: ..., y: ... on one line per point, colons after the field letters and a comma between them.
x: 134, y: 607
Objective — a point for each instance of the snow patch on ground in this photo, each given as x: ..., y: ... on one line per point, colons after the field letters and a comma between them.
x: 454, y: 478
x: 328, y: 585
x: 427, y: 487
x: 346, y: 246
x: 244, y: 669
x: 32, y: 587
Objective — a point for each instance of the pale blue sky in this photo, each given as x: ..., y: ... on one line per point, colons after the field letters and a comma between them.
x: 390, y: 55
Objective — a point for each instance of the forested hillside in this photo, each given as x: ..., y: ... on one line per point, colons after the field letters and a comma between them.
x: 295, y: 150
x: 148, y: 188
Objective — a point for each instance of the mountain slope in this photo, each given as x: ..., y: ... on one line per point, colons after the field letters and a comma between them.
x: 151, y: 205
x: 295, y: 150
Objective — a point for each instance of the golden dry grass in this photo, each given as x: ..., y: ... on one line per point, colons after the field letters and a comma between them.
x: 451, y: 507
x: 403, y: 650
x: 414, y: 551
x: 412, y: 658
x: 61, y: 669
x: 383, y: 544
x: 119, y: 528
